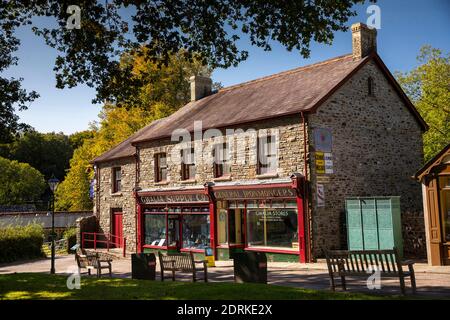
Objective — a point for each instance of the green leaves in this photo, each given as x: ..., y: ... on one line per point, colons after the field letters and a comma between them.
x: 19, y: 182
x: 428, y: 87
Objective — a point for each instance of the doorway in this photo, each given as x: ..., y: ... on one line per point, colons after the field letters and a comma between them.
x: 117, y: 228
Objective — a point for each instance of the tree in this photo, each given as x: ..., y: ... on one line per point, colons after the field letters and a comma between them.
x: 428, y: 87
x: 116, y: 125
x: 47, y: 152
x: 77, y: 139
x: 210, y: 29
x: 19, y: 182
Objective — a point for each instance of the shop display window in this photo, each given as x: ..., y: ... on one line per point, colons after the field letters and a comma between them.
x: 196, y: 231
x: 272, y: 228
x: 155, y: 229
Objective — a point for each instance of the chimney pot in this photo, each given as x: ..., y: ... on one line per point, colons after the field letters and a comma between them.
x: 200, y: 87
x: 364, y: 40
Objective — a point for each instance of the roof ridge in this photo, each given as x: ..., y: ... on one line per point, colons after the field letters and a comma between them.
x: 282, y: 73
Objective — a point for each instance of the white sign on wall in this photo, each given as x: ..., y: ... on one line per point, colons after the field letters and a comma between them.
x: 320, y: 195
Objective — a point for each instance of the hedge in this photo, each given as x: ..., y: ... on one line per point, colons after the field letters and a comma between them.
x: 18, y: 243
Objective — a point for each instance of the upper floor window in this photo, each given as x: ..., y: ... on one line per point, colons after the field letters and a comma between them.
x: 370, y: 86
x: 267, y: 155
x: 116, y: 179
x: 160, y: 167
x: 187, y: 164
x: 221, y: 160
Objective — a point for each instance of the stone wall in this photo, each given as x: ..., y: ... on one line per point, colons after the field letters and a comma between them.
x: 377, y: 147
x: 290, y: 156
x: 121, y: 201
x: 86, y: 224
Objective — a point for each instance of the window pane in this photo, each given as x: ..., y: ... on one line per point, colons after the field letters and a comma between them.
x: 272, y: 228
x: 174, y: 230
x: 196, y: 231
x: 155, y: 229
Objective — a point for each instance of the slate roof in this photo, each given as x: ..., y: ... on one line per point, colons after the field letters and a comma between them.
x: 124, y: 149
x: 290, y: 92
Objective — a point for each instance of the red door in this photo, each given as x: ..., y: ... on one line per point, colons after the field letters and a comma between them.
x: 117, y: 229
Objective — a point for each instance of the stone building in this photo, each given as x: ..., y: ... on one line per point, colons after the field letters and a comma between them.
x: 273, y: 176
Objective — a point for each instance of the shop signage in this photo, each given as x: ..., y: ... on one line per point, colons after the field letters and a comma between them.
x: 323, y: 139
x: 174, y: 198
x: 255, y: 193
x: 320, y: 195
x: 324, y: 163
x: 271, y: 215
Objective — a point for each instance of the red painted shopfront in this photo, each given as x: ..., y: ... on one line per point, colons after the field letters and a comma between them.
x: 266, y: 217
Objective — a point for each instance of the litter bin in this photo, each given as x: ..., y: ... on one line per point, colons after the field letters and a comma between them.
x: 209, y: 256
x: 143, y: 266
x: 250, y: 267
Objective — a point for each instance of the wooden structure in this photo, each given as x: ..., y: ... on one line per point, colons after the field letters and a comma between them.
x: 93, y: 260
x: 182, y: 262
x: 362, y: 263
x: 435, y: 179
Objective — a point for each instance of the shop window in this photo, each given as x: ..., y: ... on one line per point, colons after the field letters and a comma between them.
x: 196, y: 231
x: 187, y: 164
x: 444, y: 185
x: 160, y: 167
x: 116, y: 179
x: 267, y: 155
x: 221, y: 160
x: 272, y: 228
x: 173, y: 223
x: 155, y: 229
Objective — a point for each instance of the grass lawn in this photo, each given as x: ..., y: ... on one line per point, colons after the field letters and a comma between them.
x: 46, y: 286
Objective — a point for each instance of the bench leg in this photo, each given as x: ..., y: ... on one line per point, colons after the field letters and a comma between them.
x: 206, y: 276
x: 413, y: 280
x: 332, y: 285
x: 89, y: 271
x: 173, y: 275
x: 402, y: 285
x: 344, y: 284
x: 194, y: 279
x: 110, y: 272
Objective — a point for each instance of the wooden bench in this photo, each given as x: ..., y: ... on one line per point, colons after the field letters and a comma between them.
x: 182, y: 262
x: 361, y: 263
x: 93, y: 260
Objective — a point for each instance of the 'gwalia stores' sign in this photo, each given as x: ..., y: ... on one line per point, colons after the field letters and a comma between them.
x: 255, y: 193
x: 174, y: 198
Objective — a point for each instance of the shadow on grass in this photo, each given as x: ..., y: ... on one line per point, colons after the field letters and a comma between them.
x: 45, y: 286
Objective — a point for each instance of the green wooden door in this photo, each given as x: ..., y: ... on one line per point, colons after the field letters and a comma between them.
x: 354, y: 225
x: 385, y: 227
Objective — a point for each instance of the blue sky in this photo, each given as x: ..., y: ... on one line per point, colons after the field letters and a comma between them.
x: 406, y: 25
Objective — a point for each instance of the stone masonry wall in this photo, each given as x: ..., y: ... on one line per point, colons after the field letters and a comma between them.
x: 377, y: 147
x: 122, y: 200
x: 290, y: 156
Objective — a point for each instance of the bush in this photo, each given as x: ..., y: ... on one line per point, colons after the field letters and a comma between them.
x: 17, y: 243
x: 71, y: 236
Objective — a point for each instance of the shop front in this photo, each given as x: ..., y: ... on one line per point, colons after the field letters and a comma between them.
x: 174, y: 221
x: 435, y: 179
x: 266, y: 217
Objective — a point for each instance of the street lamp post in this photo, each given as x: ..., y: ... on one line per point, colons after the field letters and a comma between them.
x: 53, y: 184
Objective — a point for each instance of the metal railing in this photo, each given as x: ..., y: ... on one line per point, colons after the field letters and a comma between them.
x: 107, y: 239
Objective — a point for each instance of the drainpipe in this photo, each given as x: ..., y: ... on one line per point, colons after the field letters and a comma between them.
x: 305, y: 188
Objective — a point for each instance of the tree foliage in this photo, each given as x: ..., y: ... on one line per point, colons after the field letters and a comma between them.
x: 19, y: 182
x: 157, y: 91
x: 49, y: 153
x: 211, y: 29
x: 428, y: 87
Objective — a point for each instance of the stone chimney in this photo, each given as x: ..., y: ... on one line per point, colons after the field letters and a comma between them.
x: 364, y: 40
x: 200, y: 87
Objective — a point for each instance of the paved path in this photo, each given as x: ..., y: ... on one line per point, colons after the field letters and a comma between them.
x: 431, y: 281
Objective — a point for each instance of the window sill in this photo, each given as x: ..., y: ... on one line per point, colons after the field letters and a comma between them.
x: 188, y: 181
x: 267, y: 176
x: 223, y: 178
x: 116, y: 194
x: 162, y: 183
